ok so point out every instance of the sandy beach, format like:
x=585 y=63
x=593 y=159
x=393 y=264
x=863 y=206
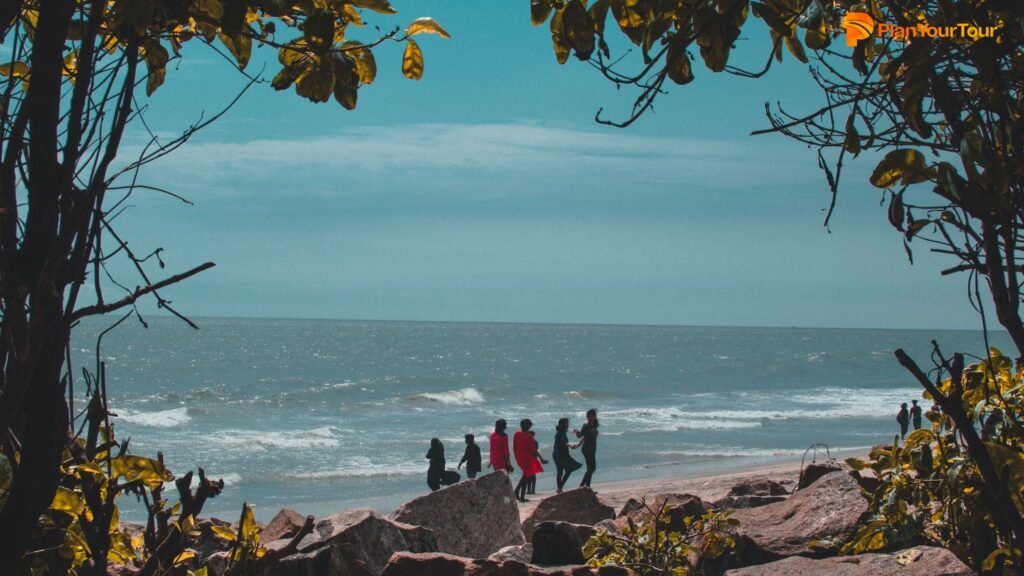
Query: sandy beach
x=708 y=485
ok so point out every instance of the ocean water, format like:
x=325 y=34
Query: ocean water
x=325 y=415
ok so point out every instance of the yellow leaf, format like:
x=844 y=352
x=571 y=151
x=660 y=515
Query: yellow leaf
x=426 y=26
x=412 y=60
x=381 y=6
x=14 y=69
x=184 y=557
x=247 y=527
x=539 y=11
x=558 y=38
x=239 y=46
x=225 y=533
x=151 y=472
x=67 y=501
x=905 y=165
x=366 y=63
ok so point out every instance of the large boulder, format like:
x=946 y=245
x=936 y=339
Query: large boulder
x=407 y=564
x=920 y=561
x=830 y=508
x=747 y=501
x=810 y=474
x=352 y=543
x=680 y=506
x=475 y=518
x=285 y=524
x=560 y=543
x=522 y=553
x=758 y=487
x=579 y=506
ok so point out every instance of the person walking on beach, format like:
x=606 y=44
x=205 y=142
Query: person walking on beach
x=588 y=445
x=500 y=459
x=524 y=447
x=903 y=417
x=565 y=464
x=471 y=457
x=915 y=415
x=531 y=486
x=436 y=470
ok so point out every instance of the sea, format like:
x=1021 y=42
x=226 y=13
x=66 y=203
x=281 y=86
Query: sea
x=325 y=415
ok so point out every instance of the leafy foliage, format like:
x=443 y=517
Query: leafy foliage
x=931 y=490
x=75 y=75
x=652 y=547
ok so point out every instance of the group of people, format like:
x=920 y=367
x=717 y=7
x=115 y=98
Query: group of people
x=526 y=452
x=904 y=417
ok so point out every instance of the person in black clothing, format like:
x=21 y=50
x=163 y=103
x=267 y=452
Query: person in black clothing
x=588 y=445
x=903 y=418
x=471 y=457
x=915 y=415
x=565 y=464
x=436 y=470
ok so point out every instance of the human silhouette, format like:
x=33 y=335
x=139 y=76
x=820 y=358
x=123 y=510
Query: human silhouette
x=588 y=445
x=529 y=461
x=903 y=417
x=435 y=472
x=915 y=415
x=565 y=464
x=531 y=485
x=471 y=457
x=499 y=457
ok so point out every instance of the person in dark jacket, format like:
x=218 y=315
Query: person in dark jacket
x=565 y=464
x=588 y=445
x=903 y=418
x=471 y=457
x=436 y=471
x=915 y=415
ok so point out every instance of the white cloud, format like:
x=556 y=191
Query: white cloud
x=473 y=162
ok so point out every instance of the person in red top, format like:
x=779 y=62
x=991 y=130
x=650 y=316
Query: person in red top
x=499 y=456
x=529 y=460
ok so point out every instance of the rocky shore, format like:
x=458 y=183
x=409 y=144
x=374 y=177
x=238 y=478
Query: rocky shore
x=787 y=517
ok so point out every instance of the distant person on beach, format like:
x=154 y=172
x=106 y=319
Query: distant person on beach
x=436 y=471
x=903 y=417
x=471 y=457
x=915 y=415
x=500 y=459
x=531 y=486
x=565 y=464
x=588 y=445
x=525 y=449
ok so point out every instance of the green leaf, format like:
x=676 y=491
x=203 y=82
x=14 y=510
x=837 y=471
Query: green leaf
x=240 y=47
x=412 y=60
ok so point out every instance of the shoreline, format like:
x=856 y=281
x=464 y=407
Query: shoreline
x=708 y=481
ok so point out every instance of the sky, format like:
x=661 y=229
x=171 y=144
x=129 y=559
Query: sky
x=486 y=192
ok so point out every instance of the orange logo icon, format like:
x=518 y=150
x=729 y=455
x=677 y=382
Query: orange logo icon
x=858 y=26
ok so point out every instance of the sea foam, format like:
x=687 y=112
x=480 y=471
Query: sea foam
x=159 y=419
x=462 y=397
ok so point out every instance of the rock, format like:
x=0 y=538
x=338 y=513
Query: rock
x=608 y=526
x=816 y=470
x=931 y=562
x=680 y=506
x=407 y=564
x=830 y=508
x=761 y=487
x=285 y=524
x=579 y=506
x=217 y=564
x=352 y=543
x=522 y=553
x=474 y=518
x=747 y=501
x=122 y=570
x=560 y=543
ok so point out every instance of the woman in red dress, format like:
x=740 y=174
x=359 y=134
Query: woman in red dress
x=499 y=456
x=525 y=449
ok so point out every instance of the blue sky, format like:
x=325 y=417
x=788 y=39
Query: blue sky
x=485 y=192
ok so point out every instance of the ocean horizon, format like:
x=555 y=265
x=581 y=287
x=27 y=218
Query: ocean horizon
x=323 y=415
